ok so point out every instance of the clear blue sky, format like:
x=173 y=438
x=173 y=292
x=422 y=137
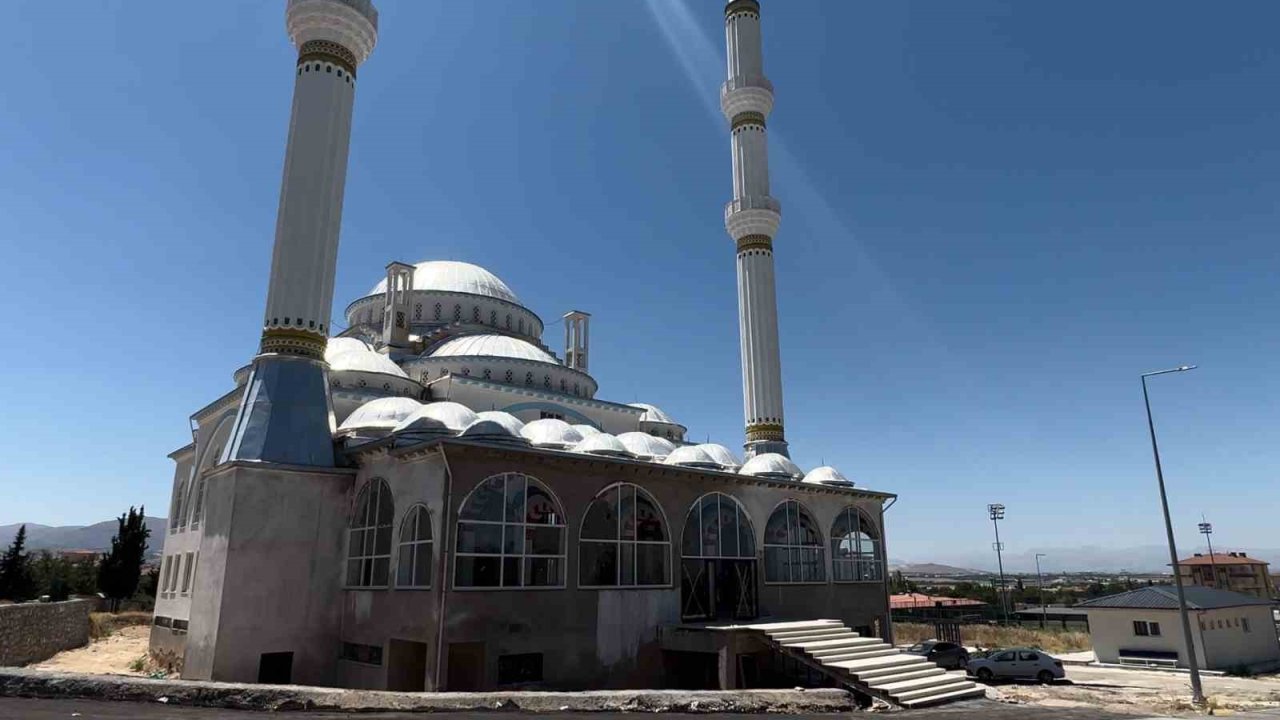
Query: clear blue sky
x=996 y=215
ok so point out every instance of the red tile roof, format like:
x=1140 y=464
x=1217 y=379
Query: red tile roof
x=920 y=600
x=1221 y=559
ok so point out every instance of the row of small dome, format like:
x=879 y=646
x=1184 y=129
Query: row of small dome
x=408 y=418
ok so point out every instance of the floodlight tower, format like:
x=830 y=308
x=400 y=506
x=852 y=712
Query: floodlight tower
x=996 y=512
x=1206 y=529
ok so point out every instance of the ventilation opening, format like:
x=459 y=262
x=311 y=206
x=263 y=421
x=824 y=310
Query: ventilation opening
x=276 y=668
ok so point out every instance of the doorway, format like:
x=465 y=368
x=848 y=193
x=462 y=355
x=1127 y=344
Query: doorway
x=466 y=667
x=406 y=666
x=718 y=589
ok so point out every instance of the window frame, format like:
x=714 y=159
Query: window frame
x=858 y=560
x=502 y=555
x=366 y=494
x=619 y=541
x=788 y=548
x=740 y=514
x=415 y=545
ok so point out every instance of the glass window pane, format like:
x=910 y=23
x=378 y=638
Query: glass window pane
x=404 y=566
x=422 y=565
x=382 y=540
x=477 y=572
x=689 y=539
x=511 y=572
x=651 y=564
x=515 y=498
x=746 y=537
x=386 y=508
x=808 y=531
x=477 y=538
x=381 y=568
x=601 y=522
x=545 y=540
x=627 y=564
x=627 y=513
x=775 y=531
x=409 y=528
x=728 y=526
x=775 y=564
x=709 y=539
x=599 y=564
x=544 y=572
x=793 y=569
x=648 y=519
x=486 y=502
x=513 y=539
x=541 y=508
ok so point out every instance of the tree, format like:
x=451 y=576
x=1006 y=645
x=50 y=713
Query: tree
x=121 y=569
x=16 y=581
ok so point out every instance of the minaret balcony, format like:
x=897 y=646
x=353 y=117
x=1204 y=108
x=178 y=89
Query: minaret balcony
x=752 y=215
x=746 y=93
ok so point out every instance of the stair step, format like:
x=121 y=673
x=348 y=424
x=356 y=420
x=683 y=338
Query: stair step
x=856 y=655
x=896 y=660
x=940 y=689
x=811 y=636
x=836 y=642
x=899 y=676
x=896 y=685
x=951 y=696
x=789 y=634
x=869 y=674
x=794 y=625
x=852 y=646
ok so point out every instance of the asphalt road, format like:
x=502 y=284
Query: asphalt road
x=26 y=709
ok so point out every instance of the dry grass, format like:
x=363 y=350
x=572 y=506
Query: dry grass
x=102 y=625
x=993 y=636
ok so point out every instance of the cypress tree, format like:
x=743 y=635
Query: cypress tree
x=121 y=568
x=16 y=580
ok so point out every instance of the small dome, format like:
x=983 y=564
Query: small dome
x=337 y=345
x=438 y=418
x=586 y=430
x=493 y=430
x=381 y=414
x=646 y=446
x=551 y=433
x=773 y=466
x=827 y=475
x=602 y=444
x=654 y=414
x=722 y=455
x=348 y=356
x=491 y=346
x=452 y=276
x=692 y=456
x=507 y=420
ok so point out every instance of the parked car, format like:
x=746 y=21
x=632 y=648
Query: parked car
x=1017 y=663
x=947 y=655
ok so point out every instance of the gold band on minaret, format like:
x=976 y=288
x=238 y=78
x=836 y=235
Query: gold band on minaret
x=285 y=341
x=765 y=431
x=755 y=242
x=326 y=51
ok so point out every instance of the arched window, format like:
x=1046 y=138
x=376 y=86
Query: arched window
x=855 y=548
x=793 y=546
x=457 y=313
x=528 y=378
x=493 y=318
x=510 y=534
x=718 y=527
x=369 y=539
x=624 y=542
x=475 y=314
x=437 y=311
x=508 y=321
x=413 y=557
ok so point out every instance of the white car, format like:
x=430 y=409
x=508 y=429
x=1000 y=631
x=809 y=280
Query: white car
x=1017 y=663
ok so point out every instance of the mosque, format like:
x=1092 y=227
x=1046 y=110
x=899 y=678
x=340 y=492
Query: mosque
x=437 y=499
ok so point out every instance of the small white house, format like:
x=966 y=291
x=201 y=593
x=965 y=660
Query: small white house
x=1229 y=630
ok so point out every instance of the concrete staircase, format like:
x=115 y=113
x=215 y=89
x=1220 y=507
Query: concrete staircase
x=868 y=665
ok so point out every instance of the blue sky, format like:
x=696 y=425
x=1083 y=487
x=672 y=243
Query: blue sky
x=996 y=215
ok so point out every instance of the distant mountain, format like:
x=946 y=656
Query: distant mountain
x=80 y=537
x=933 y=569
x=1085 y=558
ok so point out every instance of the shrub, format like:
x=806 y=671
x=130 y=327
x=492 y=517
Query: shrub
x=102 y=625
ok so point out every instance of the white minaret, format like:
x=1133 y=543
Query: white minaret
x=752 y=218
x=285 y=415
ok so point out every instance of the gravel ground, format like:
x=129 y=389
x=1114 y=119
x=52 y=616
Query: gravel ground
x=112 y=655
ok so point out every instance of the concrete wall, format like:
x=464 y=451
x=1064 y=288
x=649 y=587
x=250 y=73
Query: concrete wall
x=588 y=638
x=271 y=558
x=1226 y=643
x=1112 y=631
x=37 y=631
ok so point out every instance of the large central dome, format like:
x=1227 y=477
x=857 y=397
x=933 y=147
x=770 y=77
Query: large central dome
x=453 y=276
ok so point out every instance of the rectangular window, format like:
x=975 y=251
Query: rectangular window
x=166 y=568
x=1140 y=628
x=1244 y=624
x=1154 y=629
x=522 y=668
x=366 y=654
x=161 y=621
x=188 y=567
x=173 y=576
x=180 y=625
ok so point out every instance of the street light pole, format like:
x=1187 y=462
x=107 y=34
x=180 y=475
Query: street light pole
x=1044 y=610
x=1197 y=692
x=1206 y=529
x=996 y=512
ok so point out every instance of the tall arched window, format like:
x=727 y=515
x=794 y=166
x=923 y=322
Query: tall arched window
x=510 y=534
x=793 y=546
x=718 y=527
x=369 y=539
x=624 y=541
x=413 y=557
x=855 y=548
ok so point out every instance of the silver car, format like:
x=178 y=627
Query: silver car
x=1017 y=663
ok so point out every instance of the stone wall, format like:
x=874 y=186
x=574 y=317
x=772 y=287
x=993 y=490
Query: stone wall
x=36 y=631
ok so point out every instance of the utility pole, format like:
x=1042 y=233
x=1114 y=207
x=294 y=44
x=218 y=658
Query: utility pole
x=1197 y=691
x=996 y=512
x=1044 y=611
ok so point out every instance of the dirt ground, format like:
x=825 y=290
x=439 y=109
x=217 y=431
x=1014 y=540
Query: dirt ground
x=113 y=655
x=1144 y=692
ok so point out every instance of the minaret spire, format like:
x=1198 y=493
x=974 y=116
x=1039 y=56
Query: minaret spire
x=285 y=415
x=752 y=219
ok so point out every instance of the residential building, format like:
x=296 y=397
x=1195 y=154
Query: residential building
x=1234 y=571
